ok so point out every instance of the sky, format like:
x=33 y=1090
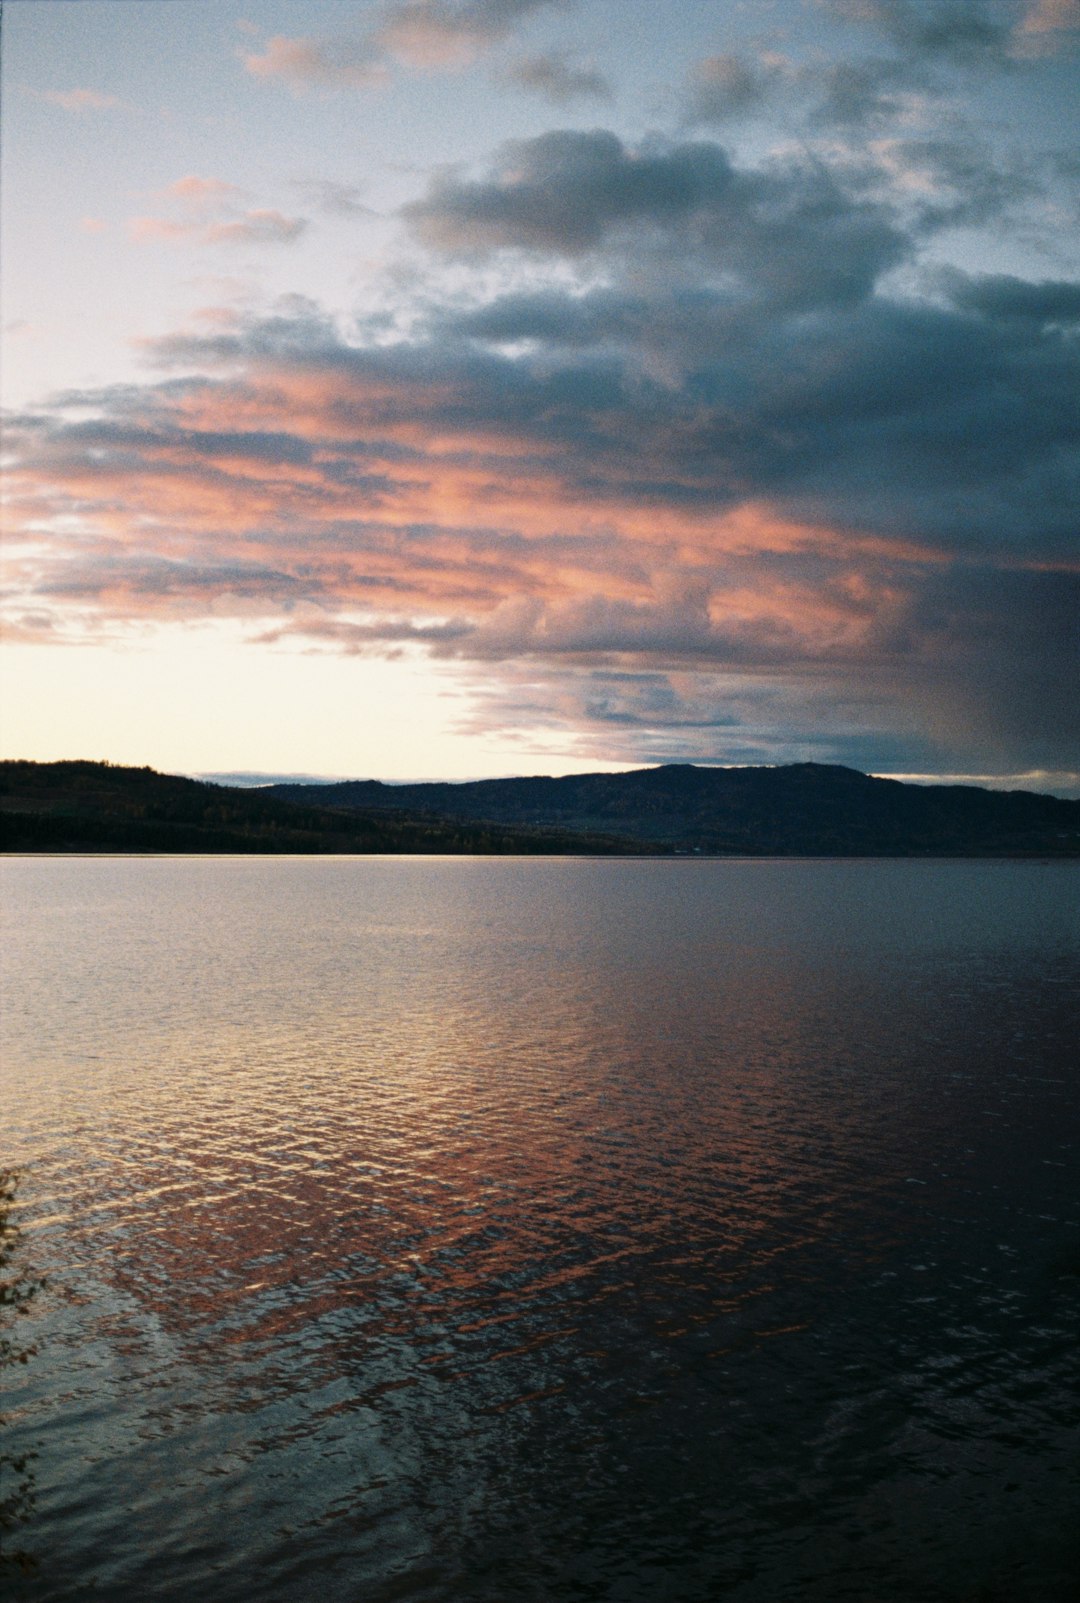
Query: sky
x=452 y=388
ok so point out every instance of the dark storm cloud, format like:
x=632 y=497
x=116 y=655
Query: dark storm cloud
x=956 y=426
x=1003 y=644
x=976 y=664
x=663 y=716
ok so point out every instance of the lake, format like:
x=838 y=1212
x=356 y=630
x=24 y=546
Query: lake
x=503 y=1229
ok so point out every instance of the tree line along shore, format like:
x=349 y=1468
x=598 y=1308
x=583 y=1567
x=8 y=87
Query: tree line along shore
x=804 y=809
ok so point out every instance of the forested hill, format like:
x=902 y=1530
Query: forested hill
x=88 y=806
x=807 y=809
x=810 y=809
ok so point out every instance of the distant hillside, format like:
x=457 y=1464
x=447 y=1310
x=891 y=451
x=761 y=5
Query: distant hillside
x=806 y=809
x=86 y=806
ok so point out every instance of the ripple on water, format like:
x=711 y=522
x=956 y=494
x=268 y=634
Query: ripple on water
x=450 y=1230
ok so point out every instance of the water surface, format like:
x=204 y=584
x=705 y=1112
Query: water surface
x=484 y=1229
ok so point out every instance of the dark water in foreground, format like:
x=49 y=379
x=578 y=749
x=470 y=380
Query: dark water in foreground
x=497 y=1230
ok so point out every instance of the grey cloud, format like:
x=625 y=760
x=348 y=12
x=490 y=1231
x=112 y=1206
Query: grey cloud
x=790 y=232
x=906 y=418
x=144 y=577
x=958 y=31
x=983 y=674
x=359 y=638
x=494 y=18
x=554 y=76
x=564 y=192
x=255 y=227
x=912 y=419
x=968 y=186
x=958 y=427
x=1003 y=296
x=553 y=319
x=659 y=716
x=428 y=32
x=858 y=94
x=260 y=227
x=337 y=200
x=307 y=63
x=934 y=43
x=1001 y=643
x=297 y=325
x=424 y=33
x=720 y=88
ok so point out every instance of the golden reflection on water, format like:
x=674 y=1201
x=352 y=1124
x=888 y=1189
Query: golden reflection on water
x=401 y=1197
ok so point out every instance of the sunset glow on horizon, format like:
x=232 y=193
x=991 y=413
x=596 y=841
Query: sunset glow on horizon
x=443 y=388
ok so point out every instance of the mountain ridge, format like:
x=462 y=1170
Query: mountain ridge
x=83 y=806
x=798 y=808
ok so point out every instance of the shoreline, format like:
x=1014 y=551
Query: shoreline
x=591 y=857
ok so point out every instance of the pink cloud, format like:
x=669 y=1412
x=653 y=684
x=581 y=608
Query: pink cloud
x=1048 y=28
x=80 y=100
x=158 y=228
x=447 y=33
x=420 y=33
x=306 y=63
x=196 y=191
x=260 y=226
x=1051 y=16
x=600 y=550
x=347 y=490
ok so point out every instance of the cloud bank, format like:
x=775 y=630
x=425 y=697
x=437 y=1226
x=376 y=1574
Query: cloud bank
x=696 y=480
